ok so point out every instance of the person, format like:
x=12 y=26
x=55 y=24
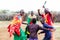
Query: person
x=15 y=27
x=48 y=19
x=47 y=32
x=33 y=29
x=29 y=18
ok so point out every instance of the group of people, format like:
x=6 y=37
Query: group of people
x=32 y=28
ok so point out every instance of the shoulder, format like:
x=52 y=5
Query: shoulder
x=37 y=25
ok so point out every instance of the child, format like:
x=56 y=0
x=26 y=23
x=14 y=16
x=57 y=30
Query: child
x=33 y=29
x=48 y=33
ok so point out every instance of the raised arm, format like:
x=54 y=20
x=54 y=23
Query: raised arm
x=39 y=12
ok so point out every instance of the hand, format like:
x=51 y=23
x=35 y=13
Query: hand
x=52 y=30
x=43 y=6
x=39 y=33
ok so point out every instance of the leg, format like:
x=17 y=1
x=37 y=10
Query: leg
x=52 y=36
x=47 y=36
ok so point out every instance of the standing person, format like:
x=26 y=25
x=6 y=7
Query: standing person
x=47 y=16
x=15 y=27
x=29 y=18
x=47 y=32
x=33 y=29
x=48 y=19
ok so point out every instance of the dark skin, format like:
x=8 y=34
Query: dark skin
x=39 y=12
x=32 y=13
x=22 y=14
x=46 y=12
x=52 y=30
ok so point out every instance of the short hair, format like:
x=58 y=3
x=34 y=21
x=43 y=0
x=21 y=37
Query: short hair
x=34 y=20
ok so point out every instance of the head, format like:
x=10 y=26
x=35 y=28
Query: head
x=34 y=20
x=22 y=12
x=46 y=11
x=32 y=13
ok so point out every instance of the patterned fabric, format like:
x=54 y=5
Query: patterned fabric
x=21 y=37
x=48 y=19
x=33 y=38
x=15 y=26
x=29 y=18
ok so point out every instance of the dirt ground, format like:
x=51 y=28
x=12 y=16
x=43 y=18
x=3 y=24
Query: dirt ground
x=4 y=35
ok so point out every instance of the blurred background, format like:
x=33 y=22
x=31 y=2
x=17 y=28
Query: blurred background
x=9 y=8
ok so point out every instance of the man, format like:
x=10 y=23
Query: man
x=47 y=32
x=33 y=29
x=48 y=19
x=29 y=18
x=47 y=16
x=15 y=27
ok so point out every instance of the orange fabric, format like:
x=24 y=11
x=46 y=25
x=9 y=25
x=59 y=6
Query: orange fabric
x=14 y=26
x=48 y=20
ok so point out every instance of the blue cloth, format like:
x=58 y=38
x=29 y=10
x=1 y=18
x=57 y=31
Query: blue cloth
x=33 y=38
x=45 y=25
x=47 y=32
x=21 y=37
x=47 y=35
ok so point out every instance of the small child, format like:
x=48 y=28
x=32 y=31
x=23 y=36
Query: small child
x=33 y=29
x=47 y=32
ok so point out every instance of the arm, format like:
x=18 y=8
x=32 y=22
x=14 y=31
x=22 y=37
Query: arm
x=41 y=28
x=39 y=12
x=27 y=30
x=47 y=26
x=24 y=23
x=50 y=27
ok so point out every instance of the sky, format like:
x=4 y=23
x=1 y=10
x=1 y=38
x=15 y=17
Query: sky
x=29 y=5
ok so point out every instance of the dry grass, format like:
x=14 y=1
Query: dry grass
x=4 y=35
